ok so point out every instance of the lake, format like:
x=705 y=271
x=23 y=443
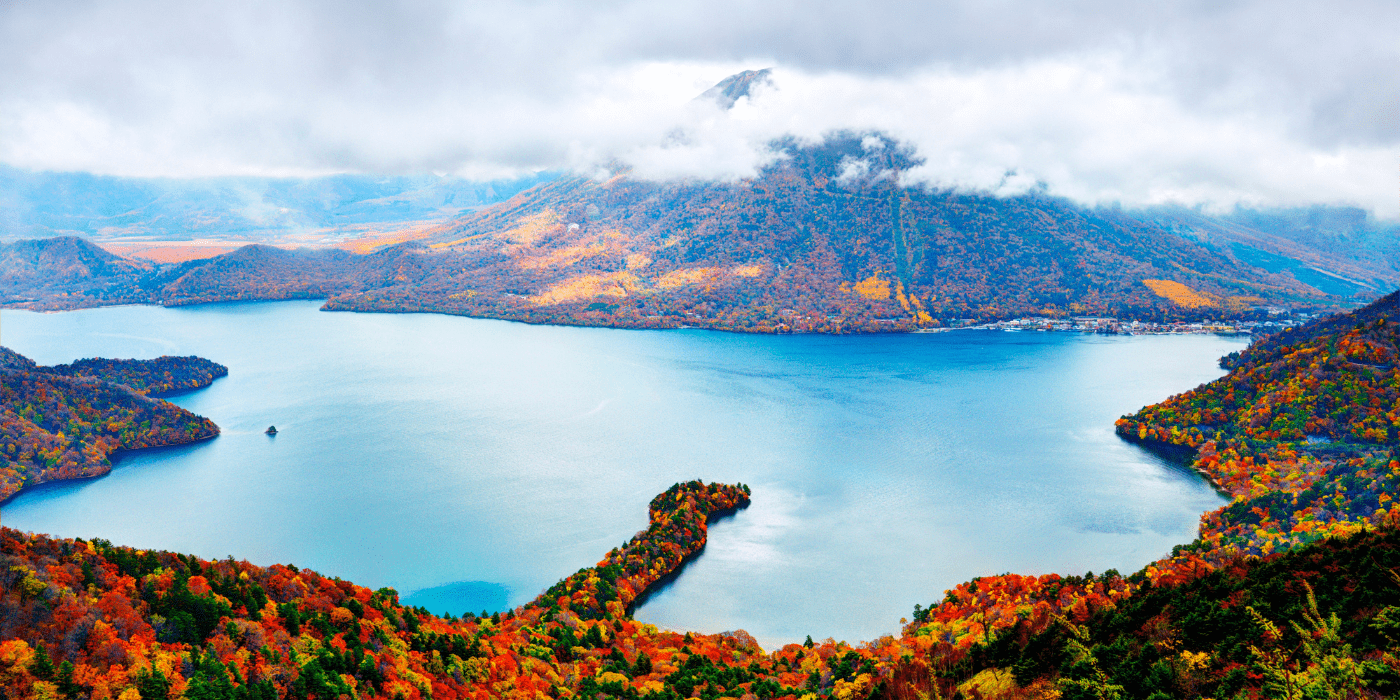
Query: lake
x=471 y=463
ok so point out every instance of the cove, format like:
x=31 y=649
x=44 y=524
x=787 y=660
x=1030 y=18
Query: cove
x=480 y=461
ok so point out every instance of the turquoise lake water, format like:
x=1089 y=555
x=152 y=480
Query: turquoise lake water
x=471 y=463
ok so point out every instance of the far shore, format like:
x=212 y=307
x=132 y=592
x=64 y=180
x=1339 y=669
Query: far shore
x=860 y=326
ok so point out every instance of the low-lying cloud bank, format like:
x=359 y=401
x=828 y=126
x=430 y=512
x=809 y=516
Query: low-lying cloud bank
x=1265 y=104
x=1091 y=128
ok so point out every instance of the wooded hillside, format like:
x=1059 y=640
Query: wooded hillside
x=65 y=422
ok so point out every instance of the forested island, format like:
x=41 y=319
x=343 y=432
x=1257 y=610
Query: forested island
x=1291 y=590
x=66 y=421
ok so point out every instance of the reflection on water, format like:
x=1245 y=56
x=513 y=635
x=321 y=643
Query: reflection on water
x=463 y=596
x=416 y=451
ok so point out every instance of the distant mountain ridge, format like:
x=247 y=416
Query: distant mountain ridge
x=1335 y=249
x=44 y=204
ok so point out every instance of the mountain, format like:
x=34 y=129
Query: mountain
x=68 y=272
x=827 y=239
x=731 y=89
x=824 y=239
x=66 y=267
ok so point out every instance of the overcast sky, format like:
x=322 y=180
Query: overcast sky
x=1212 y=102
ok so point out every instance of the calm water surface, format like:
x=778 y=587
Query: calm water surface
x=477 y=462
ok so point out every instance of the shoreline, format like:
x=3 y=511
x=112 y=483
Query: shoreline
x=113 y=461
x=86 y=388
x=661 y=584
x=1032 y=324
x=1186 y=456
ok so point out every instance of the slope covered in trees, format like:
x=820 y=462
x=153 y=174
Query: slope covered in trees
x=66 y=272
x=93 y=277
x=65 y=422
x=90 y=620
x=679 y=526
x=162 y=375
x=1317 y=622
x=826 y=238
x=1302 y=432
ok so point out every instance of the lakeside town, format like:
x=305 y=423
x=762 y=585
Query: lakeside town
x=1113 y=326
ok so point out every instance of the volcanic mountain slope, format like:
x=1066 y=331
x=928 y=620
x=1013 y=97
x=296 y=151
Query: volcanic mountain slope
x=1338 y=250
x=825 y=239
x=728 y=91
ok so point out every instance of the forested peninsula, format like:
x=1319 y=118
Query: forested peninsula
x=1291 y=590
x=66 y=421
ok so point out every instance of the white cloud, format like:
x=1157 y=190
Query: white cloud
x=1094 y=128
x=1261 y=102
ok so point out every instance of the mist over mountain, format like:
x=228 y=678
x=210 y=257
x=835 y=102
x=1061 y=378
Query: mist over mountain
x=1350 y=232
x=252 y=209
x=845 y=231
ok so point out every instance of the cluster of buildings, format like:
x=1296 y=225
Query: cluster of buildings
x=1113 y=326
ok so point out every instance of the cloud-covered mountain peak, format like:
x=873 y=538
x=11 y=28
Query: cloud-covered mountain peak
x=728 y=91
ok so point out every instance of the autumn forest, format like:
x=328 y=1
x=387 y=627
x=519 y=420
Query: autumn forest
x=65 y=421
x=1291 y=590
